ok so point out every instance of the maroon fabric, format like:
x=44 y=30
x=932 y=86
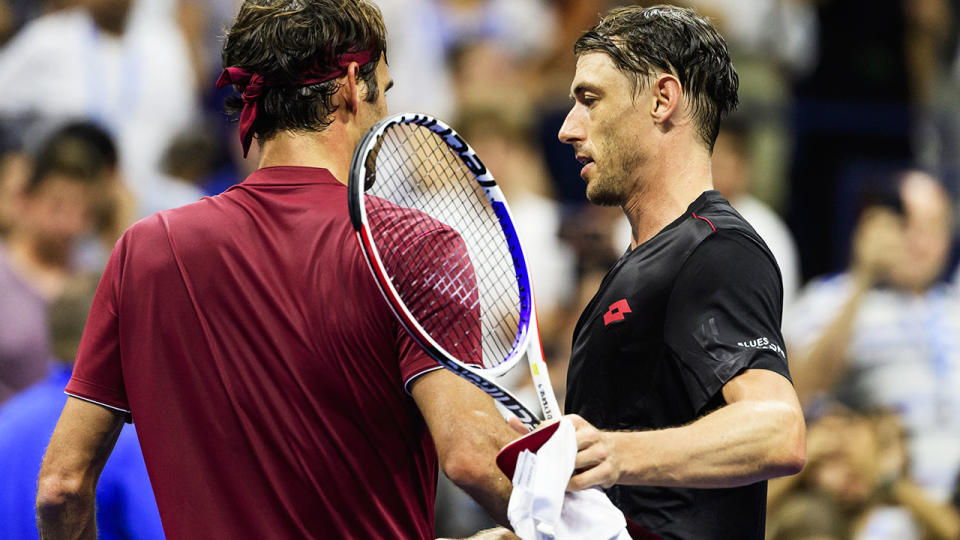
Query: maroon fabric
x=252 y=85
x=437 y=285
x=637 y=532
x=263 y=368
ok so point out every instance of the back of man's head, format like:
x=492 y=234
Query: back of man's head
x=281 y=39
x=644 y=41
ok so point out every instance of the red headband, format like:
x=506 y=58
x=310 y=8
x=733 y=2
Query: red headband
x=252 y=85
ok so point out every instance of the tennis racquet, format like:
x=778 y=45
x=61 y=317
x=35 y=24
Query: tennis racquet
x=438 y=237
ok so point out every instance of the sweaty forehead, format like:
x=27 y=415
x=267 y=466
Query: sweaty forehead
x=596 y=71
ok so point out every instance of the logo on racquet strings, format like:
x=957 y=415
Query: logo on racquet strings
x=456 y=143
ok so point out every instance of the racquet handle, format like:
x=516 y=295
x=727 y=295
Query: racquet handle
x=539 y=373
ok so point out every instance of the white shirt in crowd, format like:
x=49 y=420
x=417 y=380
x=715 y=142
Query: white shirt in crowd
x=140 y=86
x=904 y=355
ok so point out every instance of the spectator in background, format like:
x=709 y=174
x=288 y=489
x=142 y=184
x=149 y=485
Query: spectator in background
x=15 y=13
x=886 y=333
x=484 y=72
x=501 y=138
x=417 y=53
x=114 y=207
x=488 y=42
x=732 y=178
x=521 y=27
x=187 y=163
x=764 y=37
x=91 y=62
x=855 y=485
x=854 y=110
x=15 y=167
x=53 y=211
x=955 y=497
x=125 y=505
x=553 y=102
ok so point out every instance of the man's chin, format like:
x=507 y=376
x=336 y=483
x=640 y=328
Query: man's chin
x=602 y=197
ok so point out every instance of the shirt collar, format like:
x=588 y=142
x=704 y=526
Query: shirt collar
x=290 y=176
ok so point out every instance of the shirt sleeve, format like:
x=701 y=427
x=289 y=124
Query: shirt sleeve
x=438 y=285
x=97 y=373
x=724 y=315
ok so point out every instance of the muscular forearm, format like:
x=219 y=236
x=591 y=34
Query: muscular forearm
x=739 y=444
x=492 y=493
x=467 y=432
x=491 y=534
x=78 y=450
x=469 y=463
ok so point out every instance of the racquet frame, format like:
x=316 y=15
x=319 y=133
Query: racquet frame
x=528 y=335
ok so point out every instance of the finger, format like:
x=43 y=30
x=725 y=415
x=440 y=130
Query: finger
x=600 y=476
x=586 y=437
x=518 y=426
x=590 y=457
x=584 y=480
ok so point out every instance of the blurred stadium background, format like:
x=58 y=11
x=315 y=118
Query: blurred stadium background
x=108 y=112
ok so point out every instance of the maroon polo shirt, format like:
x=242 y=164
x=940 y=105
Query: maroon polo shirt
x=265 y=372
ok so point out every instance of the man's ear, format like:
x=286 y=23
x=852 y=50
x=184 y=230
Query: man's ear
x=667 y=95
x=351 y=88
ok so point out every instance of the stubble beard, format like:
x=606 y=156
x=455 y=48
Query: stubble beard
x=606 y=190
x=611 y=188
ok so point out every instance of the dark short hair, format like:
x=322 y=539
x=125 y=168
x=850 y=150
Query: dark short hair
x=81 y=151
x=675 y=40
x=279 y=39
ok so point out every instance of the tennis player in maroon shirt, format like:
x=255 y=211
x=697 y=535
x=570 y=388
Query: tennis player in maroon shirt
x=274 y=393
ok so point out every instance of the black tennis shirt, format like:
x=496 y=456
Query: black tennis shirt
x=674 y=320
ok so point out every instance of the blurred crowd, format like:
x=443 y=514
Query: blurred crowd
x=844 y=155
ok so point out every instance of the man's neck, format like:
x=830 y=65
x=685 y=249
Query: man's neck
x=672 y=180
x=329 y=149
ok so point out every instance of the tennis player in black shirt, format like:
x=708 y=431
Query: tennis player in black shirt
x=678 y=380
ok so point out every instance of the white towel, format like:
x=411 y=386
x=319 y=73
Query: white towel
x=541 y=508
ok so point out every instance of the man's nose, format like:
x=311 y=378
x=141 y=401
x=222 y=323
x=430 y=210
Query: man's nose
x=572 y=129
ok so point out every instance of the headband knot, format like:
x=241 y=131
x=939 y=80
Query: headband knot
x=252 y=86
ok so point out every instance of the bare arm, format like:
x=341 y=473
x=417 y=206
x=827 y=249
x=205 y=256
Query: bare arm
x=758 y=435
x=78 y=450
x=468 y=431
x=490 y=534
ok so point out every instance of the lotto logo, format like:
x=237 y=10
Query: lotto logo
x=616 y=311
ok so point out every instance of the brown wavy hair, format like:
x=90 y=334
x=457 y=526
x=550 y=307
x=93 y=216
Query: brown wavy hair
x=674 y=40
x=279 y=39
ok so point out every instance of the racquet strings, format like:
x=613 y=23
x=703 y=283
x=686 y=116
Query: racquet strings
x=441 y=245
